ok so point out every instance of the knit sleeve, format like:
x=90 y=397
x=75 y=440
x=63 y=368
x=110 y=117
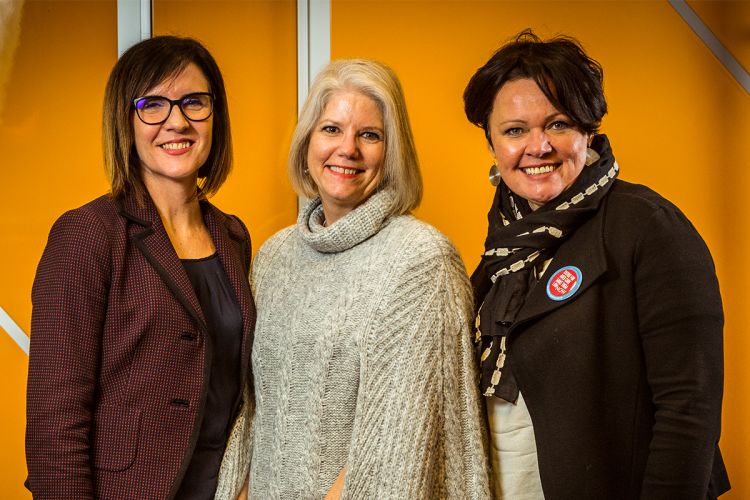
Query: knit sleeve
x=680 y=322
x=69 y=300
x=265 y=256
x=235 y=465
x=418 y=430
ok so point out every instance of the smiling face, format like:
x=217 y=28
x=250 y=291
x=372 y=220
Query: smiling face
x=173 y=151
x=346 y=151
x=538 y=150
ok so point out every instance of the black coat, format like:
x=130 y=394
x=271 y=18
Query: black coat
x=623 y=378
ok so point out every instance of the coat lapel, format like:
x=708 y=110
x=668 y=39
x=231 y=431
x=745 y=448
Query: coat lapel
x=234 y=253
x=584 y=250
x=147 y=233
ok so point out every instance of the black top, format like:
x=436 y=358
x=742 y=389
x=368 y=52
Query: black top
x=224 y=321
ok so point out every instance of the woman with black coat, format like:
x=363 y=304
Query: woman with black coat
x=599 y=315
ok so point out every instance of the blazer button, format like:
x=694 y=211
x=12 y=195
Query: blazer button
x=188 y=336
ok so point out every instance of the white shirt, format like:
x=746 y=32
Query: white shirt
x=515 y=468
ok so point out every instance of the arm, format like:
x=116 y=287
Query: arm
x=417 y=430
x=235 y=465
x=69 y=300
x=243 y=491
x=247 y=245
x=337 y=487
x=681 y=321
x=233 y=482
x=466 y=429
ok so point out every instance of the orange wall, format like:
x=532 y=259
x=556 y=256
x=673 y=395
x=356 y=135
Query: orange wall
x=51 y=161
x=678 y=123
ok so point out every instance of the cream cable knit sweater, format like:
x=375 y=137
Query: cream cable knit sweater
x=362 y=359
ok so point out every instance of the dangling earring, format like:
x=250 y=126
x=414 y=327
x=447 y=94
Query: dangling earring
x=494 y=175
x=591 y=156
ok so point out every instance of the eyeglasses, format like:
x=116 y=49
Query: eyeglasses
x=155 y=109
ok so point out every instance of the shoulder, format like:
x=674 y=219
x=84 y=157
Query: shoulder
x=232 y=222
x=424 y=283
x=232 y=226
x=270 y=248
x=637 y=200
x=636 y=215
x=80 y=239
x=417 y=240
x=103 y=209
x=417 y=252
x=280 y=238
x=636 y=208
x=90 y=222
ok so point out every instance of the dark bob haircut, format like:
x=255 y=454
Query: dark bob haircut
x=142 y=67
x=571 y=80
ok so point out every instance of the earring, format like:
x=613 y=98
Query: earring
x=591 y=156
x=306 y=171
x=494 y=175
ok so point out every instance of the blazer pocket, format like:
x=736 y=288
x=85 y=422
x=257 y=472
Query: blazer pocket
x=116 y=432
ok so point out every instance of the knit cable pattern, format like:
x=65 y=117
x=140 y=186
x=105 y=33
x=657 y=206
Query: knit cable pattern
x=363 y=359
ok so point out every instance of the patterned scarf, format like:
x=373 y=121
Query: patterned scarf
x=518 y=239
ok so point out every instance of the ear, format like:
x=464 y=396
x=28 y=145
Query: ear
x=489 y=142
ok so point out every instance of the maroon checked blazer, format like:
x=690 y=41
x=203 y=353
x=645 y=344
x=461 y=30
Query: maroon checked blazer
x=118 y=364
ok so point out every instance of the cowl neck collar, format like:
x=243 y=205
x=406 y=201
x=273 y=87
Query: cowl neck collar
x=349 y=231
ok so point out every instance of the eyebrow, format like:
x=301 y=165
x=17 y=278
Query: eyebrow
x=331 y=121
x=546 y=118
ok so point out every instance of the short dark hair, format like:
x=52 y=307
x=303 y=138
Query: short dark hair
x=141 y=67
x=570 y=79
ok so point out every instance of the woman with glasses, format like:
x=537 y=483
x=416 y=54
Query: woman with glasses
x=142 y=314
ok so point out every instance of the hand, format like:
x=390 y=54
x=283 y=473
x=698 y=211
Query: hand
x=243 y=491
x=337 y=487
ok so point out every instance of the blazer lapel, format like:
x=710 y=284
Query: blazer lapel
x=148 y=234
x=234 y=253
x=583 y=257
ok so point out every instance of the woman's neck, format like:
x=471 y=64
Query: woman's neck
x=180 y=214
x=175 y=201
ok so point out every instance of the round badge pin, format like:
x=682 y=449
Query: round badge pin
x=564 y=282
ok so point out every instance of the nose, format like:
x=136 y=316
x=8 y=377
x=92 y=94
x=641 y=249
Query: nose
x=176 y=119
x=348 y=147
x=539 y=144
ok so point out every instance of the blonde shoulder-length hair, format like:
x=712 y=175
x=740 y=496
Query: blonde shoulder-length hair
x=379 y=82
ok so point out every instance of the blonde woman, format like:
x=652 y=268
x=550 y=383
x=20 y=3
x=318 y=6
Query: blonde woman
x=363 y=367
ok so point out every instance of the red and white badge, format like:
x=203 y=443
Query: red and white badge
x=564 y=282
